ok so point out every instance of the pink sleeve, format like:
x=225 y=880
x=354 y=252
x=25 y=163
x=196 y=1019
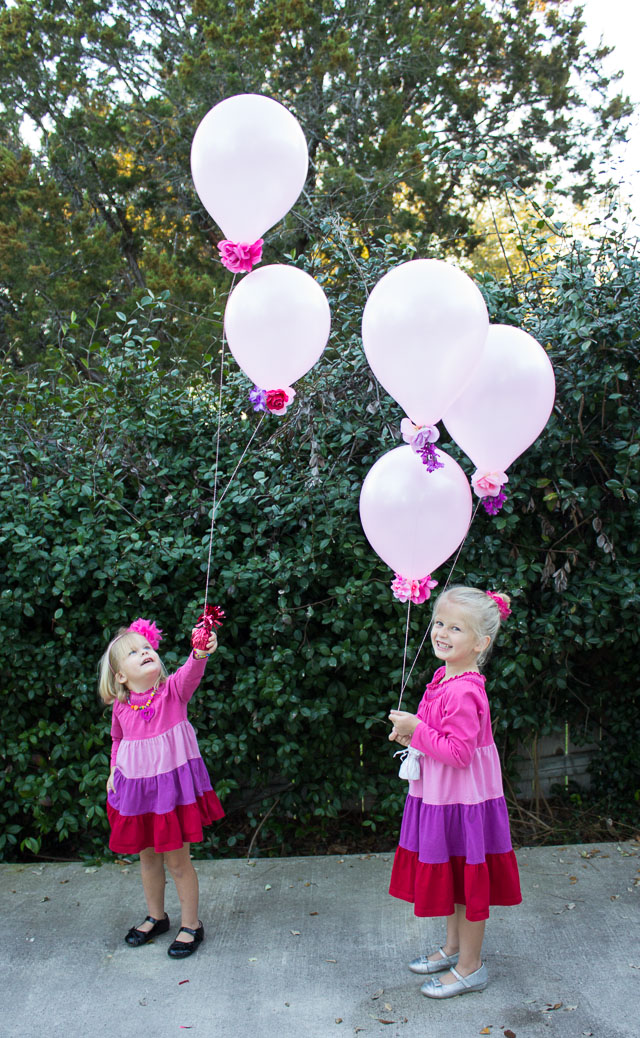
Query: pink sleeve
x=455 y=740
x=116 y=736
x=187 y=678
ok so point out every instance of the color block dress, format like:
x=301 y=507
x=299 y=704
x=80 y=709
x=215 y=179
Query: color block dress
x=162 y=794
x=455 y=843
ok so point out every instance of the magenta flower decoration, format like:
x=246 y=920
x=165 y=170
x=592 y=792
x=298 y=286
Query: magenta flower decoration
x=240 y=257
x=418 y=591
x=278 y=400
x=148 y=630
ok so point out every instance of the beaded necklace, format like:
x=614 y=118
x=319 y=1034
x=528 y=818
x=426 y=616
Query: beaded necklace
x=141 y=706
x=146 y=710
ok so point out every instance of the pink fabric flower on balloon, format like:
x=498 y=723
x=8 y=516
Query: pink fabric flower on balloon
x=417 y=590
x=240 y=257
x=148 y=630
x=488 y=484
x=278 y=400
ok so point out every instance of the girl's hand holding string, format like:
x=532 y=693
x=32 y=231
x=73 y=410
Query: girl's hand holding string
x=404 y=740
x=404 y=725
x=212 y=645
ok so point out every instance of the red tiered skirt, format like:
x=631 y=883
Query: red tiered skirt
x=437 y=889
x=131 y=834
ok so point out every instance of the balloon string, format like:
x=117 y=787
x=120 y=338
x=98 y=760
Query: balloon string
x=446 y=585
x=222 y=497
x=242 y=457
x=406 y=642
x=217 y=455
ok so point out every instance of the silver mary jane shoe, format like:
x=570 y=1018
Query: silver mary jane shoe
x=474 y=982
x=424 y=965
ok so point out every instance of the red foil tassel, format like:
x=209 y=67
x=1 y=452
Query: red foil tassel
x=207 y=621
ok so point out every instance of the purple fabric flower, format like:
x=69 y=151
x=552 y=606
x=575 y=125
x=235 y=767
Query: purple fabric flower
x=429 y=457
x=492 y=505
x=258 y=398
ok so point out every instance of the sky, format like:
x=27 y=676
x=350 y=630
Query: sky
x=617 y=22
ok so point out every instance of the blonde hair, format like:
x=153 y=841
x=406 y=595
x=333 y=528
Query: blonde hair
x=108 y=688
x=482 y=611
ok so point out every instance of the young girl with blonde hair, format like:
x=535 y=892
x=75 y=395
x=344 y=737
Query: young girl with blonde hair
x=159 y=794
x=455 y=857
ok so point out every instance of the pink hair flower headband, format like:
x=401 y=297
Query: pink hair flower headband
x=148 y=630
x=503 y=608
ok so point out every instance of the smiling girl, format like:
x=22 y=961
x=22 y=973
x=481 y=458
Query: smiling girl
x=159 y=794
x=454 y=856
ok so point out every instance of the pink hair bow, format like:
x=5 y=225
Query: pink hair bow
x=501 y=604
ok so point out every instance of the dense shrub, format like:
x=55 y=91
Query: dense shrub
x=107 y=482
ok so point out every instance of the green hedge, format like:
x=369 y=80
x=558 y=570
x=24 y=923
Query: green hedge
x=107 y=476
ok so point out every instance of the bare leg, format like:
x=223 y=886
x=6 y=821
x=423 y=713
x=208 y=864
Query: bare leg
x=185 y=878
x=153 y=884
x=452 y=944
x=471 y=936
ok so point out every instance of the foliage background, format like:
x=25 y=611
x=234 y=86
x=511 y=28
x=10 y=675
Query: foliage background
x=110 y=329
x=106 y=494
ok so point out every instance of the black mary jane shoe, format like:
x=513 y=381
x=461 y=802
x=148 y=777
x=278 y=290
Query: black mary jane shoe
x=137 y=937
x=182 y=949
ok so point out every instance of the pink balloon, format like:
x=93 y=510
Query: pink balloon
x=277 y=322
x=249 y=163
x=507 y=403
x=414 y=519
x=423 y=331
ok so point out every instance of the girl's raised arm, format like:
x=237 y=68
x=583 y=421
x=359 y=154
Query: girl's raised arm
x=186 y=680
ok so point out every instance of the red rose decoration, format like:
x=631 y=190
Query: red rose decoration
x=278 y=400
